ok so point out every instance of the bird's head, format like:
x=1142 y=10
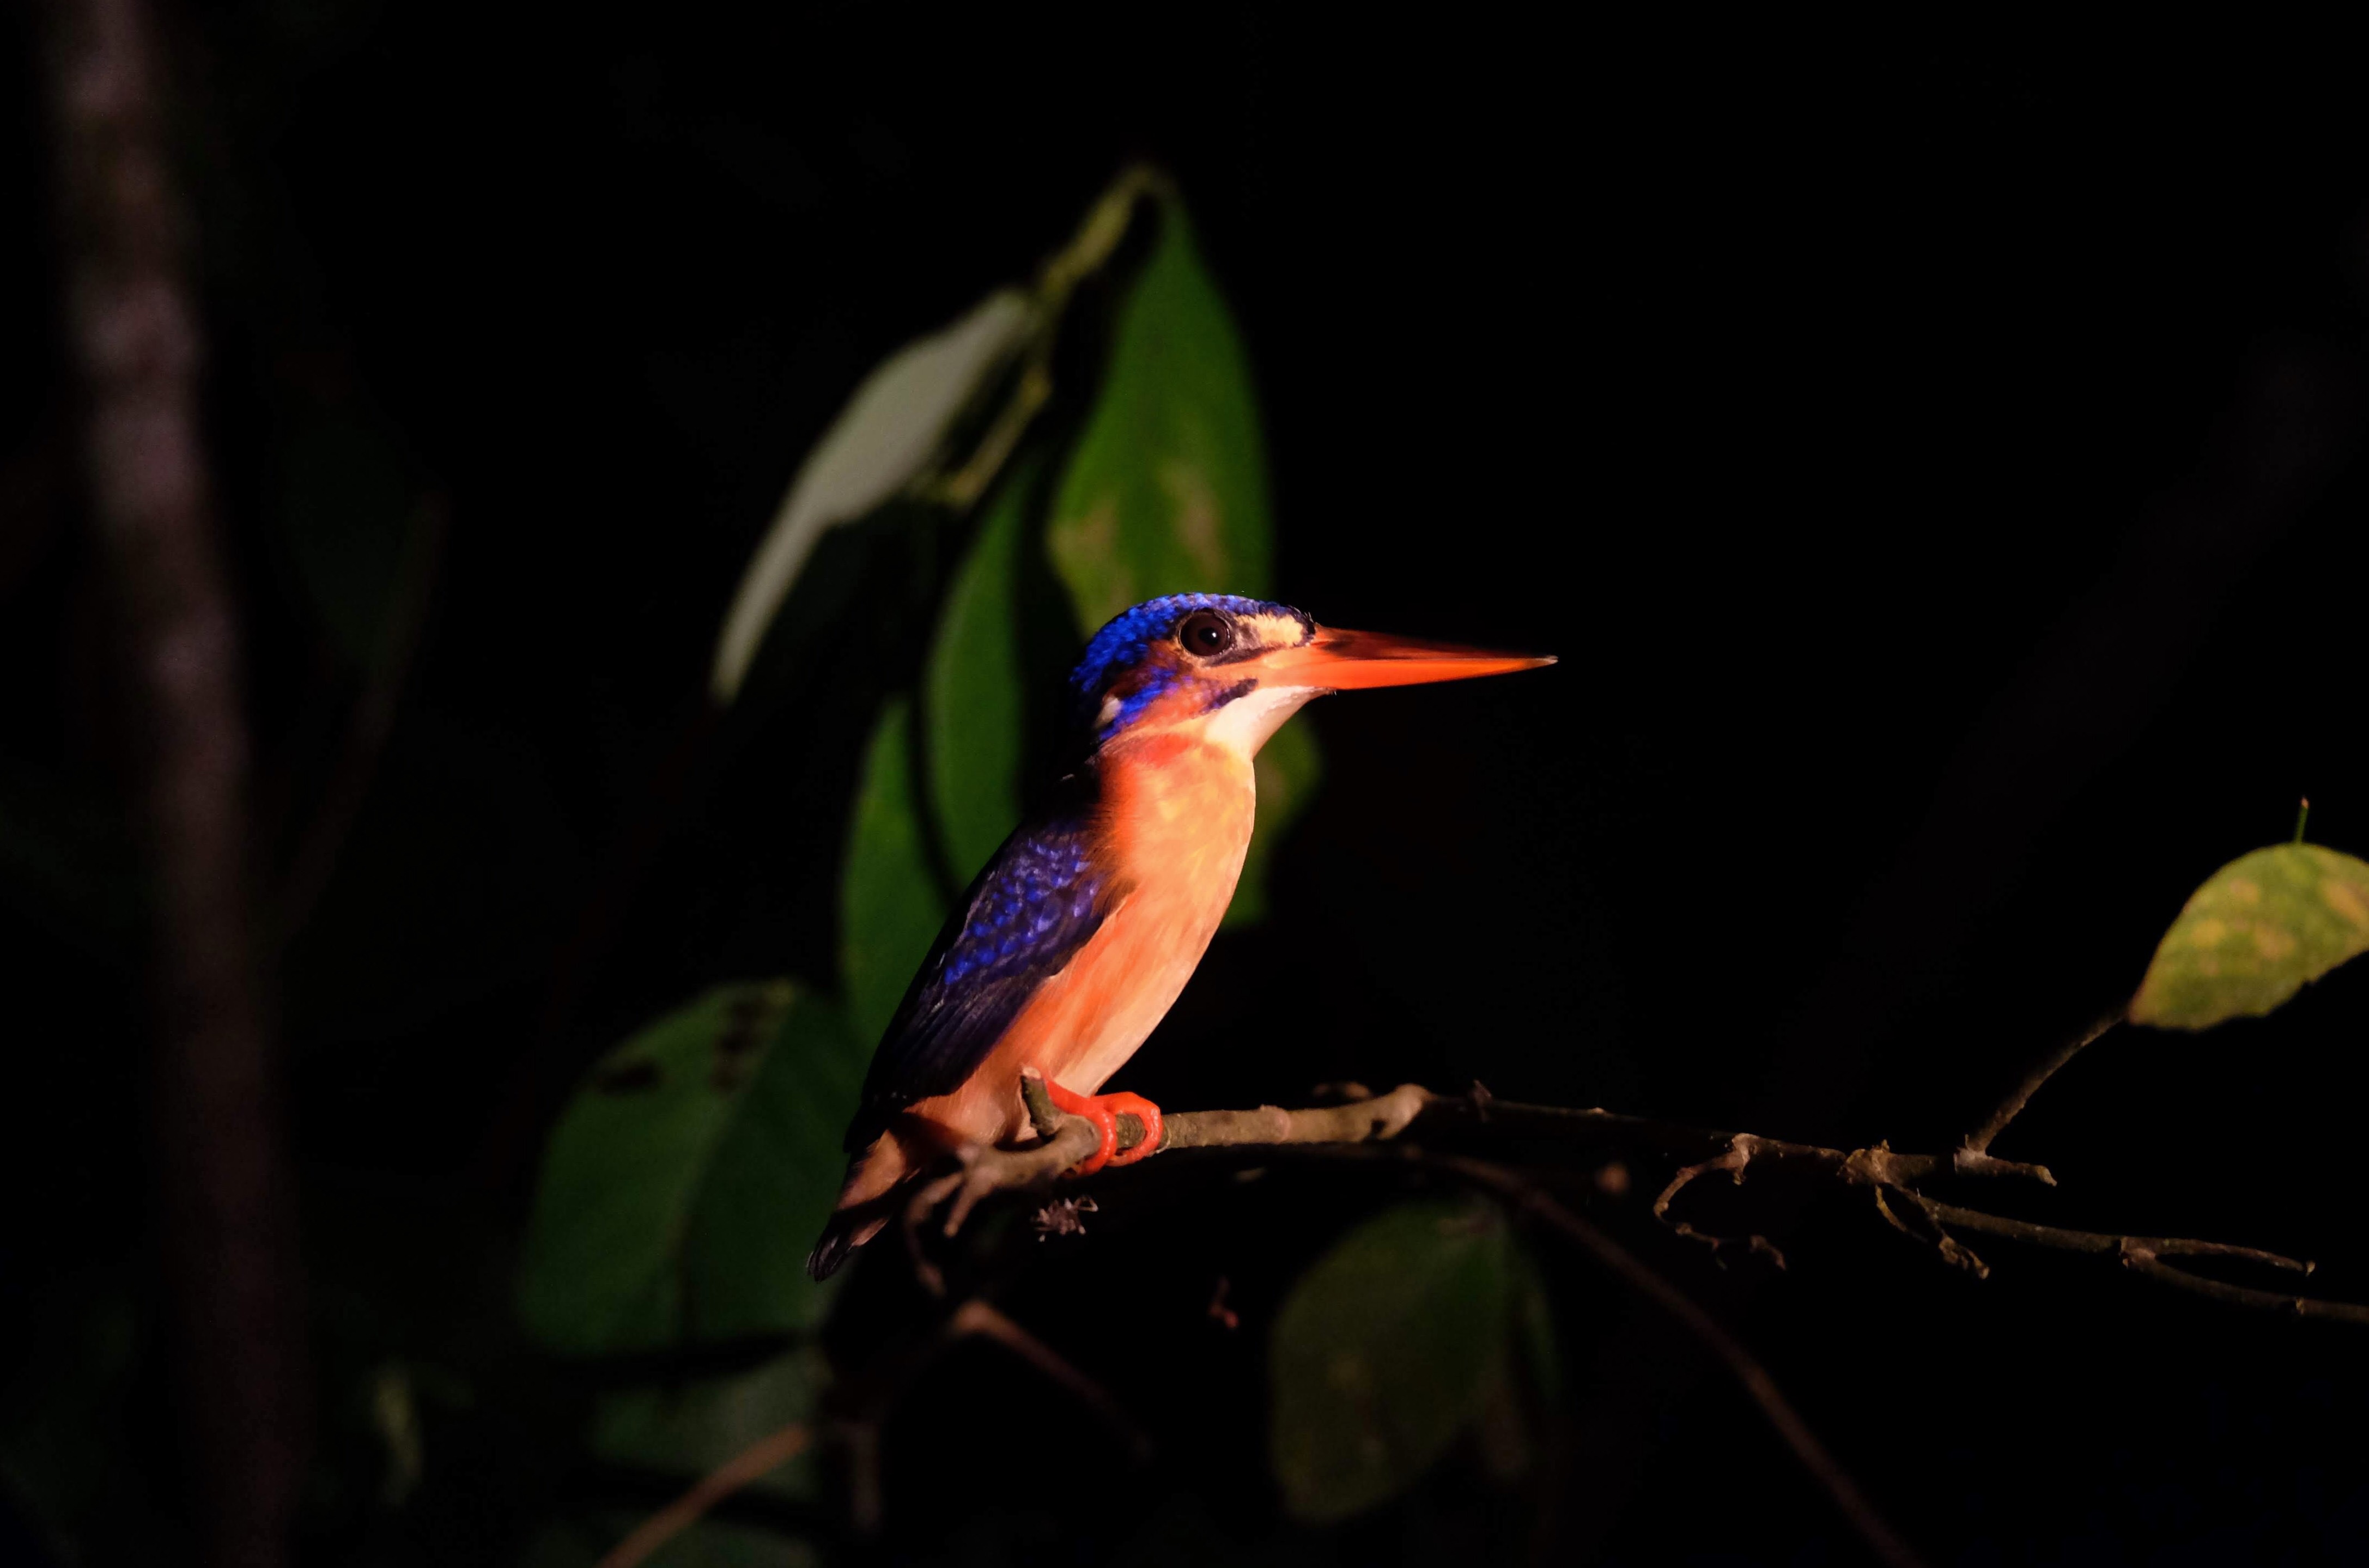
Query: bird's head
x=1234 y=668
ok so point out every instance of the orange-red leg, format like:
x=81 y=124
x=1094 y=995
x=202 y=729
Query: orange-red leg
x=1102 y=1110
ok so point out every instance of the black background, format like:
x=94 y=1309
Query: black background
x=1936 y=462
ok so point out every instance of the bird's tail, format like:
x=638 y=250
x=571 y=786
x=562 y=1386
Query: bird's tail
x=875 y=1182
x=842 y=1234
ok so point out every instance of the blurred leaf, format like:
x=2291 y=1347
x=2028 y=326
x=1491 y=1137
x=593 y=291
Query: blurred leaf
x=1166 y=492
x=891 y=903
x=890 y=428
x=395 y=1415
x=774 y=1179
x=2261 y=928
x=706 y=1543
x=1534 y=1322
x=973 y=689
x=65 y=860
x=1288 y=769
x=691 y=1429
x=69 y=1453
x=351 y=503
x=1383 y=1350
x=682 y=1180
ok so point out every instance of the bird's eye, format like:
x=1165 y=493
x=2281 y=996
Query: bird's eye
x=1206 y=632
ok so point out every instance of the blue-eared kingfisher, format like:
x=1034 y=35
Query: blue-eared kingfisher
x=1074 y=942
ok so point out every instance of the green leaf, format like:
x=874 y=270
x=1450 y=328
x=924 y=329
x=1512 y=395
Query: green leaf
x=773 y=1180
x=691 y=1429
x=1288 y=769
x=2260 y=929
x=890 y=904
x=1167 y=491
x=973 y=688
x=881 y=440
x=1383 y=1352
x=683 y=1180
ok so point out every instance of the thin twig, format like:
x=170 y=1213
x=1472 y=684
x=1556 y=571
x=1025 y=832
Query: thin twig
x=982 y=1318
x=1973 y=1157
x=775 y=1448
x=1411 y=1108
x=1737 y=1155
x=368 y=725
x=1755 y=1379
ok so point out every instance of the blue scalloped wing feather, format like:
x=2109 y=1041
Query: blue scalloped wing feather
x=1041 y=898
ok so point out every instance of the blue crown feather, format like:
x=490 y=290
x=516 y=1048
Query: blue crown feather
x=1131 y=634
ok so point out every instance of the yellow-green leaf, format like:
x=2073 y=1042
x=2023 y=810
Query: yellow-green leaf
x=2260 y=929
x=1167 y=491
x=972 y=691
x=1385 y=1350
x=890 y=904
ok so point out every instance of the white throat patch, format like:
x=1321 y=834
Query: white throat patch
x=1243 y=725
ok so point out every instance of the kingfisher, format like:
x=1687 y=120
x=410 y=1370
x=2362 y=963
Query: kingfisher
x=1072 y=943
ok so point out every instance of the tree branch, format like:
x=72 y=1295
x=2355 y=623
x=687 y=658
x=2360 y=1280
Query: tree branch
x=775 y=1448
x=1757 y=1385
x=1894 y=1179
x=1065 y=1140
x=228 y=1219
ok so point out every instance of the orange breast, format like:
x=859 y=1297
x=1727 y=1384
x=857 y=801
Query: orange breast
x=1178 y=817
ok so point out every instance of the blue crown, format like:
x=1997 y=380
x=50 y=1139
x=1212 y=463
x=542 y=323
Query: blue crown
x=1131 y=634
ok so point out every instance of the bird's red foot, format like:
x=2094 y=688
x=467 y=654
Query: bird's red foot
x=1102 y=1110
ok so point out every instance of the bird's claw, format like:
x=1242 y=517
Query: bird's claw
x=1104 y=1110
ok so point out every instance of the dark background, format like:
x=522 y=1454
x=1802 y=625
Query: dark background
x=1936 y=464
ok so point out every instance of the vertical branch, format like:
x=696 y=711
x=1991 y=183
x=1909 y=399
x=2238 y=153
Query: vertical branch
x=134 y=341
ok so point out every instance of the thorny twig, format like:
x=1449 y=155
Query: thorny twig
x=1894 y=1180
x=1748 y=1372
x=975 y=1319
x=1973 y=1157
x=773 y=1449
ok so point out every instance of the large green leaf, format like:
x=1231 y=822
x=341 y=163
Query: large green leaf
x=685 y=1179
x=691 y=1429
x=972 y=691
x=1384 y=1350
x=1166 y=490
x=2260 y=929
x=892 y=426
x=890 y=905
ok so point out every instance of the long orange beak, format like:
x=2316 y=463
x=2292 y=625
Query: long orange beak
x=1353 y=661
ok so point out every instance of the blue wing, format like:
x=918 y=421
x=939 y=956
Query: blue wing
x=1041 y=898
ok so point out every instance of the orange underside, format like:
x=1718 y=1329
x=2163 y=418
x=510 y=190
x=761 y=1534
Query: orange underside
x=1179 y=819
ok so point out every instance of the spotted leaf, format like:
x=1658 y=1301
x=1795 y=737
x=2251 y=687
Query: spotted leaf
x=2260 y=929
x=1385 y=1350
x=681 y=1180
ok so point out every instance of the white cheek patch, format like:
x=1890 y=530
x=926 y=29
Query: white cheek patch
x=1243 y=725
x=1109 y=715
